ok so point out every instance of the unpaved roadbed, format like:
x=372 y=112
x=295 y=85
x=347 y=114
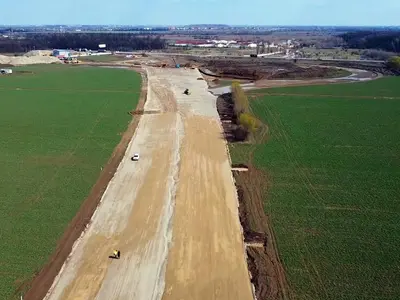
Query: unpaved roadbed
x=184 y=247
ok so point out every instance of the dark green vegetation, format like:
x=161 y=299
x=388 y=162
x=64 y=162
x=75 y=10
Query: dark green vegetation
x=333 y=194
x=382 y=40
x=115 y=41
x=59 y=125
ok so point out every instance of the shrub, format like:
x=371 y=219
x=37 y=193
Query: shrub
x=249 y=122
x=394 y=63
x=241 y=103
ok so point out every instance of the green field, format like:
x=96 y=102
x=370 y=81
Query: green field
x=334 y=192
x=59 y=125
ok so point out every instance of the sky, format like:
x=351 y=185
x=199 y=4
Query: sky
x=181 y=12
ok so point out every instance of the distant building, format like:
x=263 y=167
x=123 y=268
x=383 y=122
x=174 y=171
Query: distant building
x=61 y=53
x=6 y=71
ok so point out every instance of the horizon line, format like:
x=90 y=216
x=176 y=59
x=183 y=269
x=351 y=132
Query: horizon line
x=205 y=24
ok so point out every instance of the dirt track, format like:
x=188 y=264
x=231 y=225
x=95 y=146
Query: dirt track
x=182 y=153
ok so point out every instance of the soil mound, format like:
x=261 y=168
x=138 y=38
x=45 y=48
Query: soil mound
x=28 y=60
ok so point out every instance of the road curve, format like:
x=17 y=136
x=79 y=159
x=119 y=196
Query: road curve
x=173 y=214
x=356 y=75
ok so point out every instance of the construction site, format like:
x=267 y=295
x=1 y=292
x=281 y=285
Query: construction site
x=178 y=230
x=177 y=216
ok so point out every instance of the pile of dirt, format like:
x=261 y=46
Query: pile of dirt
x=28 y=60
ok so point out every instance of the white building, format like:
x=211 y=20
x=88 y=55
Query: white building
x=61 y=53
x=6 y=71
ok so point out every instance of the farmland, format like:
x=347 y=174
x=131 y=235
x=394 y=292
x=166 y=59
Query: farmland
x=59 y=126
x=332 y=190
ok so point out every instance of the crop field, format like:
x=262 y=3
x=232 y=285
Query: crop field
x=59 y=125
x=332 y=161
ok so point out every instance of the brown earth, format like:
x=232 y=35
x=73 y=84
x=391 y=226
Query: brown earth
x=42 y=282
x=257 y=69
x=268 y=275
x=267 y=272
x=236 y=68
x=206 y=259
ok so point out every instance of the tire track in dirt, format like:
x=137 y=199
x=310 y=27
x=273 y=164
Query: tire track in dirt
x=140 y=198
x=138 y=241
x=206 y=258
x=138 y=214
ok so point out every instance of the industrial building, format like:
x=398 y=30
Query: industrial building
x=61 y=53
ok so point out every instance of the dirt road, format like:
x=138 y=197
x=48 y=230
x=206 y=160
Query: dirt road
x=173 y=214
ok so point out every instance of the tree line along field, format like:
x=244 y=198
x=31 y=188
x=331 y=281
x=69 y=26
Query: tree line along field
x=333 y=193
x=59 y=126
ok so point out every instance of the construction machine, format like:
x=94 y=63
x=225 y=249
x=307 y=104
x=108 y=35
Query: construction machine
x=71 y=60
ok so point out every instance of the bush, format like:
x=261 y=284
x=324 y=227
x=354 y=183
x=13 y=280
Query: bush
x=394 y=63
x=249 y=122
x=240 y=100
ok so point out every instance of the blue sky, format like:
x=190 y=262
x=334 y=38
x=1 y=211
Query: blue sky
x=177 y=12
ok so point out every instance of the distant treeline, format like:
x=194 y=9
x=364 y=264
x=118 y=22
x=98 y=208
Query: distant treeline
x=114 y=42
x=381 y=40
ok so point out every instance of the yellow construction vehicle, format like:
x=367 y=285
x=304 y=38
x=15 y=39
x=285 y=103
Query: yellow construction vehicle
x=71 y=60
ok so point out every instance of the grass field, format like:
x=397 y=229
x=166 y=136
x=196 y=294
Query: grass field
x=59 y=126
x=333 y=194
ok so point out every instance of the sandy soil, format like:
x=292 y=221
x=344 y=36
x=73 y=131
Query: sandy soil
x=206 y=260
x=184 y=247
x=28 y=59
